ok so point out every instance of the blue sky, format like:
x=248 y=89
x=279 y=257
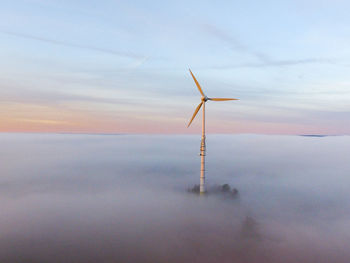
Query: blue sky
x=122 y=66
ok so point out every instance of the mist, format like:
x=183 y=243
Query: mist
x=123 y=198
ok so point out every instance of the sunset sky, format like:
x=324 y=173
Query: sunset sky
x=122 y=66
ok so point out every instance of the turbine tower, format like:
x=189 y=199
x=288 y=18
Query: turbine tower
x=204 y=99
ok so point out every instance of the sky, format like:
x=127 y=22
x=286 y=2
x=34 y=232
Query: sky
x=122 y=66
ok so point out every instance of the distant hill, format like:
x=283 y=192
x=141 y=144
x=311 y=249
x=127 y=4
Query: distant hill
x=314 y=135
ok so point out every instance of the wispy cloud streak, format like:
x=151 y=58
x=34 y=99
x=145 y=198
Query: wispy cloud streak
x=264 y=60
x=63 y=43
x=279 y=63
x=233 y=42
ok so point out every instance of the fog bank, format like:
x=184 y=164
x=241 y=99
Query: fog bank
x=123 y=198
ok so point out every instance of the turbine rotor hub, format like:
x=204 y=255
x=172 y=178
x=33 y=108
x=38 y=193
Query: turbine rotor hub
x=205 y=98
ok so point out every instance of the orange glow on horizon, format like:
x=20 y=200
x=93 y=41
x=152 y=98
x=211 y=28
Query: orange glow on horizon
x=31 y=118
x=92 y=124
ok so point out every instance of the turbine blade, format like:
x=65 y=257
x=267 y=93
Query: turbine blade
x=195 y=113
x=198 y=86
x=221 y=99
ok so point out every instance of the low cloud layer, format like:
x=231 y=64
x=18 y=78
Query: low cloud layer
x=81 y=198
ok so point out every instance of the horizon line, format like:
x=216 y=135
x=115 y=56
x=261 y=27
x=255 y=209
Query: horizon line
x=170 y=134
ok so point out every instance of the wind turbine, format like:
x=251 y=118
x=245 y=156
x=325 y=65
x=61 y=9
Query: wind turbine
x=204 y=99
